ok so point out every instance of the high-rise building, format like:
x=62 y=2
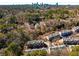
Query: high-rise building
x=57 y=4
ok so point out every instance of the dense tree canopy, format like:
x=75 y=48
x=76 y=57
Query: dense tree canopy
x=20 y=24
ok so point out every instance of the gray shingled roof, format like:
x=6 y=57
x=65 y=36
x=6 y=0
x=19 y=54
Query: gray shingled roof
x=53 y=36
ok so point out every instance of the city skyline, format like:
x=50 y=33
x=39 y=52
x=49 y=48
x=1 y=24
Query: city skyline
x=60 y=2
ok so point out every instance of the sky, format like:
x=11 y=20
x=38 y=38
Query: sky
x=63 y=2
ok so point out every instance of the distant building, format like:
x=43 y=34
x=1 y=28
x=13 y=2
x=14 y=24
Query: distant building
x=57 y=4
x=35 y=44
x=54 y=36
x=71 y=41
x=76 y=29
x=66 y=33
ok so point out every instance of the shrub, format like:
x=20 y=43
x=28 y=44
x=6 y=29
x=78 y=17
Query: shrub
x=13 y=49
x=75 y=51
x=37 y=53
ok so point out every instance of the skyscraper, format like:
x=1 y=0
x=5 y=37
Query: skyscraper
x=57 y=4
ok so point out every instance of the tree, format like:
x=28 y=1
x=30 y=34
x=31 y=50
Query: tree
x=2 y=40
x=33 y=18
x=13 y=20
x=37 y=28
x=75 y=51
x=1 y=15
x=13 y=50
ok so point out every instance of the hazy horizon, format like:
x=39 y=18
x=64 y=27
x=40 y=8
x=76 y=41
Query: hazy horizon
x=60 y=2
